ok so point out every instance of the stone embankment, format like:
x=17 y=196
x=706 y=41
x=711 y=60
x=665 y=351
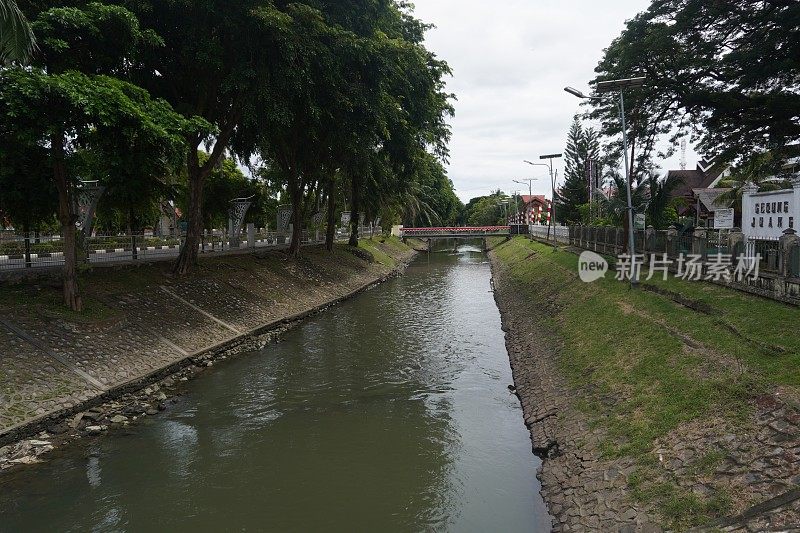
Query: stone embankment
x=65 y=376
x=718 y=472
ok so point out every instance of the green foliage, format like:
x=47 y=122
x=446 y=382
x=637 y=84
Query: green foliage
x=661 y=212
x=734 y=91
x=485 y=210
x=582 y=147
x=95 y=39
x=17 y=41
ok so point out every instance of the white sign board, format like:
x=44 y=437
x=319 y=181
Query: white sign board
x=638 y=221
x=766 y=215
x=723 y=218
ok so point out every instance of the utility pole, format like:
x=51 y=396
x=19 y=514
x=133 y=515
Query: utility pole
x=553 y=177
x=618 y=86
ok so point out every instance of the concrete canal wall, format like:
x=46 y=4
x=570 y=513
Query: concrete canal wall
x=144 y=331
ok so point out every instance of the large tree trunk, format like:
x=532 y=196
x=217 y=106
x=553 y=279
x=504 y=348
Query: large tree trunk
x=187 y=259
x=330 y=229
x=355 y=206
x=66 y=217
x=296 y=196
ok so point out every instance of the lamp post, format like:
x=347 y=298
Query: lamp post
x=550 y=158
x=609 y=87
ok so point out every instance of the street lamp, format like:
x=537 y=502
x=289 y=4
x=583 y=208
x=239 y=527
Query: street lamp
x=549 y=158
x=609 y=87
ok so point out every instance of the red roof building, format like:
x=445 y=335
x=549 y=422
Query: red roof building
x=537 y=209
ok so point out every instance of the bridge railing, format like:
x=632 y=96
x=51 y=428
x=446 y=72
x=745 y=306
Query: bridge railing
x=460 y=230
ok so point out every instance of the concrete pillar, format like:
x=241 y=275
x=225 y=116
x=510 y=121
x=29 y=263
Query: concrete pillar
x=748 y=190
x=251 y=235
x=735 y=240
x=699 y=242
x=788 y=240
x=650 y=240
x=672 y=242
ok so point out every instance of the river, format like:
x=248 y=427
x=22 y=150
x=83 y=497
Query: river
x=390 y=412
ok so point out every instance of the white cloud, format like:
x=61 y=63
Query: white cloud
x=511 y=61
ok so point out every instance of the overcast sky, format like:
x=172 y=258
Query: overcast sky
x=511 y=60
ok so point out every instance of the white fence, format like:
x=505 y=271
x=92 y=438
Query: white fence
x=561 y=233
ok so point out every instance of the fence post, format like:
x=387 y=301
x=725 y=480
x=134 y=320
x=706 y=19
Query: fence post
x=649 y=240
x=735 y=239
x=672 y=242
x=699 y=244
x=788 y=240
x=251 y=235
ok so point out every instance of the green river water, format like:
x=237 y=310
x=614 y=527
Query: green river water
x=390 y=412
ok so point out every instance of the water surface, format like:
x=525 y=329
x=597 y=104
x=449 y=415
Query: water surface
x=388 y=413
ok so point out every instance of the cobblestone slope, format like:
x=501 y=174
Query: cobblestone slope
x=51 y=361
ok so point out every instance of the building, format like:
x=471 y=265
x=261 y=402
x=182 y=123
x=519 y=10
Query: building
x=699 y=191
x=536 y=209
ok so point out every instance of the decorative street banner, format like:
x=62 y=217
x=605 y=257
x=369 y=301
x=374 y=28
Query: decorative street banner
x=723 y=218
x=236 y=213
x=88 y=194
x=638 y=221
x=284 y=218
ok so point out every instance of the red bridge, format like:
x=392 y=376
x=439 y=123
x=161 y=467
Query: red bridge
x=455 y=232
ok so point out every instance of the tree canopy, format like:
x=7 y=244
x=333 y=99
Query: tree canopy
x=723 y=72
x=331 y=105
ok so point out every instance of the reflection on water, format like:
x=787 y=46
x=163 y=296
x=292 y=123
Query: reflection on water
x=389 y=412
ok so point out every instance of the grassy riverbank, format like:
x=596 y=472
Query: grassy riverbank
x=665 y=368
x=141 y=319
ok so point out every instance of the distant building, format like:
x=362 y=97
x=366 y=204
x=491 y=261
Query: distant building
x=536 y=209
x=699 y=190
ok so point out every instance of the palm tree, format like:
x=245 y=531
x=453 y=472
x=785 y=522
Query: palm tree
x=660 y=199
x=17 y=42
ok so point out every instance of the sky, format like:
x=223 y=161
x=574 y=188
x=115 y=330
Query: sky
x=511 y=60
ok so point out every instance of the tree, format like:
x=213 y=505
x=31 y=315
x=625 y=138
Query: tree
x=17 y=41
x=356 y=109
x=726 y=72
x=486 y=210
x=225 y=183
x=582 y=147
x=216 y=62
x=661 y=212
x=73 y=113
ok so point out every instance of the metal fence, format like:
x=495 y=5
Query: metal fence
x=19 y=251
x=710 y=243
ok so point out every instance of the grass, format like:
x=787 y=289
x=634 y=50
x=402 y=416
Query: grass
x=639 y=379
x=45 y=298
x=384 y=249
